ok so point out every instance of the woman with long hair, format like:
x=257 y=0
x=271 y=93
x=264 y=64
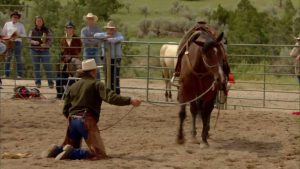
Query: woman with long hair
x=40 y=41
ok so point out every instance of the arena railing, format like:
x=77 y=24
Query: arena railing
x=255 y=85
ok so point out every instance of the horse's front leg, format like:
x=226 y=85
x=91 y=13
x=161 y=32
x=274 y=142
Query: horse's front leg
x=194 y=112
x=206 y=113
x=182 y=116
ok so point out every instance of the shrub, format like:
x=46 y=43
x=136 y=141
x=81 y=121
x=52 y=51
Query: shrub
x=157 y=26
x=145 y=26
x=145 y=11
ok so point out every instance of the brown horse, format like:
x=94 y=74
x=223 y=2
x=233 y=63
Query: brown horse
x=201 y=77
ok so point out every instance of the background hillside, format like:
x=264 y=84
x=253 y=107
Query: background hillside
x=138 y=19
x=134 y=11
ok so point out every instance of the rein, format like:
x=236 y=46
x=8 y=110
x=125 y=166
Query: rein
x=200 y=75
x=207 y=65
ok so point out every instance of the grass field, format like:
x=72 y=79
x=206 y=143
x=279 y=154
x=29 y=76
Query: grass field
x=160 y=9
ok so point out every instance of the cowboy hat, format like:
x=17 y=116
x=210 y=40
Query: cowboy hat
x=69 y=24
x=90 y=15
x=88 y=64
x=110 y=25
x=15 y=13
x=297 y=38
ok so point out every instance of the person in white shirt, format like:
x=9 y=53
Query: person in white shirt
x=11 y=28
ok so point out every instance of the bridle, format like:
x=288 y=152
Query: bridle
x=208 y=65
x=204 y=58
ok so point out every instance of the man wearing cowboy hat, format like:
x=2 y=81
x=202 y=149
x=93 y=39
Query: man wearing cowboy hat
x=91 y=45
x=295 y=52
x=113 y=39
x=82 y=108
x=10 y=29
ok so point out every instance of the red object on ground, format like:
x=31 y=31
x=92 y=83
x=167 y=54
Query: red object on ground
x=296 y=113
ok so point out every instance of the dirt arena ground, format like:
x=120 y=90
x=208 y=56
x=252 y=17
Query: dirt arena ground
x=146 y=138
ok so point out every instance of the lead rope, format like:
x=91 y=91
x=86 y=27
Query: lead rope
x=180 y=104
x=110 y=126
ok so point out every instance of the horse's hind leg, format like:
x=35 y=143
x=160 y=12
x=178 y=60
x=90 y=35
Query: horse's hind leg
x=166 y=83
x=166 y=96
x=169 y=90
x=194 y=112
x=182 y=116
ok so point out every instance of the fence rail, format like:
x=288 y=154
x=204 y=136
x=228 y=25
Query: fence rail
x=256 y=85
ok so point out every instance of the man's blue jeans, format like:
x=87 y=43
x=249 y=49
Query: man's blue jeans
x=93 y=53
x=77 y=131
x=16 y=51
x=84 y=127
x=42 y=57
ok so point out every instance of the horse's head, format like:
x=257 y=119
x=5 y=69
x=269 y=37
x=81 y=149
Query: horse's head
x=213 y=53
x=296 y=50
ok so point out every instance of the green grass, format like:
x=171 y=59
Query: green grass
x=159 y=9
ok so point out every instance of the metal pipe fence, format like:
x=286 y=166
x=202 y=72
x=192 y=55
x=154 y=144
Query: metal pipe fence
x=266 y=84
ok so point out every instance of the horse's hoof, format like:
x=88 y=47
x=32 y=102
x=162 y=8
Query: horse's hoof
x=181 y=141
x=204 y=145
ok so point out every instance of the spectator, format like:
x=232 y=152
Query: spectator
x=2 y=50
x=70 y=52
x=91 y=45
x=40 y=41
x=82 y=109
x=113 y=40
x=10 y=28
x=295 y=53
x=3 y=46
